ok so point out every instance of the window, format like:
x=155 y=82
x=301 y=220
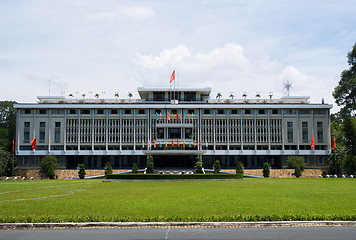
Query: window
x=71 y=111
x=290 y=111
x=26 y=124
x=141 y=111
x=158 y=111
x=85 y=111
x=305 y=136
x=320 y=136
x=290 y=131
x=113 y=111
x=320 y=160
x=304 y=124
x=289 y=124
x=100 y=111
x=276 y=111
x=42 y=136
x=174 y=133
x=248 y=111
x=191 y=111
x=206 y=111
x=57 y=136
x=57 y=111
x=188 y=133
x=290 y=136
x=127 y=111
x=235 y=111
x=25 y=161
x=42 y=124
x=27 y=111
x=319 y=124
x=319 y=111
x=26 y=137
x=304 y=111
x=43 y=111
x=220 y=111
x=160 y=132
x=262 y=111
x=57 y=124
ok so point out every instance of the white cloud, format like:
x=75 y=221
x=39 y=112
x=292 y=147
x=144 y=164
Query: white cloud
x=137 y=12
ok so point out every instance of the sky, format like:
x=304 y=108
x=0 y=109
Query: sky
x=62 y=47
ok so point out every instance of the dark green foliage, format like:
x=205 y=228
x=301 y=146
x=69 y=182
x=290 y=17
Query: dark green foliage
x=134 y=168
x=345 y=92
x=266 y=170
x=10 y=167
x=198 y=166
x=5 y=163
x=297 y=172
x=294 y=161
x=49 y=161
x=81 y=171
x=172 y=176
x=50 y=172
x=108 y=169
x=349 y=165
x=7 y=124
x=336 y=158
x=240 y=170
x=150 y=165
x=217 y=167
x=349 y=126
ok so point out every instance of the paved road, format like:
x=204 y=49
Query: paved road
x=298 y=233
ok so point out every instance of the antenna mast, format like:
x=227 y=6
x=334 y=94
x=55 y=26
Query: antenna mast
x=287 y=86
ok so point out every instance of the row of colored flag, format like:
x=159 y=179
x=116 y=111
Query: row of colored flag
x=173 y=143
x=178 y=116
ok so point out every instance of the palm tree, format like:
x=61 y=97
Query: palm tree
x=270 y=95
x=258 y=95
x=218 y=95
x=71 y=95
x=97 y=95
x=130 y=95
x=116 y=95
x=244 y=95
x=232 y=96
x=83 y=95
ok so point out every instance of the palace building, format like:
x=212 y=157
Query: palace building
x=174 y=132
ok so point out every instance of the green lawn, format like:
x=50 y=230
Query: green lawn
x=246 y=200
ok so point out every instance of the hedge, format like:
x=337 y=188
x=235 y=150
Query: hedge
x=172 y=176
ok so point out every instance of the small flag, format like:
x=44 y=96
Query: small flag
x=188 y=117
x=172 y=116
x=13 y=145
x=333 y=145
x=184 y=117
x=172 y=143
x=206 y=143
x=168 y=116
x=160 y=116
x=173 y=76
x=33 y=144
x=177 y=116
x=160 y=145
x=312 y=143
x=156 y=116
x=183 y=143
x=149 y=143
x=143 y=144
x=154 y=143
x=194 y=143
x=165 y=142
x=189 y=143
x=201 y=144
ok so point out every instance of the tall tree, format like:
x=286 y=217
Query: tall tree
x=345 y=92
x=7 y=124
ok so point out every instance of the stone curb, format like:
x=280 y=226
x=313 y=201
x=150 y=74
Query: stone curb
x=18 y=226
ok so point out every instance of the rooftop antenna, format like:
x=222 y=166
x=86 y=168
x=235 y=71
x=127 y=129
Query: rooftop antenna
x=287 y=86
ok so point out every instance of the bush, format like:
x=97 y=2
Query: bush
x=294 y=161
x=50 y=172
x=48 y=164
x=349 y=165
x=198 y=166
x=240 y=170
x=150 y=165
x=297 y=172
x=7 y=163
x=108 y=169
x=266 y=170
x=81 y=171
x=134 y=168
x=217 y=167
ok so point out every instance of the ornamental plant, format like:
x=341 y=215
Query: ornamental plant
x=198 y=166
x=48 y=165
x=240 y=170
x=266 y=170
x=297 y=172
x=150 y=165
x=217 y=167
x=134 y=168
x=108 y=169
x=81 y=171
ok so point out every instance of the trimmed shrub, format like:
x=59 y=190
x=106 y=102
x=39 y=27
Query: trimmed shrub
x=266 y=170
x=294 y=161
x=81 y=171
x=217 y=167
x=134 y=168
x=50 y=172
x=150 y=165
x=198 y=166
x=240 y=170
x=49 y=164
x=297 y=172
x=108 y=169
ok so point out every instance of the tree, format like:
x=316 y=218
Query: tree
x=48 y=164
x=294 y=161
x=150 y=165
x=349 y=164
x=217 y=166
x=244 y=95
x=297 y=171
x=198 y=166
x=231 y=96
x=97 y=95
x=6 y=163
x=218 y=95
x=336 y=159
x=258 y=95
x=81 y=172
x=83 y=95
x=116 y=95
x=108 y=169
x=7 y=124
x=51 y=173
x=270 y=96
x=266 y=170
x=240 y=170
x=134 y=168
x=130 y=95
x=345 y=92
x=71 y=95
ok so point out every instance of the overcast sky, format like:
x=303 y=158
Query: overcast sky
x=108 y=46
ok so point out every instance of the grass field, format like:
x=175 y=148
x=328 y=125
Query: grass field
x=246 y=200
